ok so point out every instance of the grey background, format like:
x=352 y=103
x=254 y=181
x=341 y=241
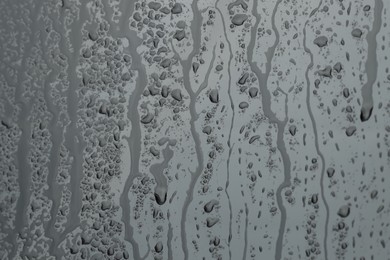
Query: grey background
x=194 y=129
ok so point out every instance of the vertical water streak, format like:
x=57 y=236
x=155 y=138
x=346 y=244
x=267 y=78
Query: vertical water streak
x=316 y=141
x=371 y=63
x=187 y=66
x=170 y=236
x=73 y=133
x=134 y=140
x=56 y=136
x=24 y=169
x=266 y=102
x=246 y=231
x=316 y=138
x=230 y=130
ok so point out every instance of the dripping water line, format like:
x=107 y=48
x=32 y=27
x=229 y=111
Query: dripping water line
x=307 y=50
x=134 y=141
x=72 y=131
x=230 y=131
x=24 y=169
x=186 y=66
x=266 y=101
x=54 y=190
x=371 y=63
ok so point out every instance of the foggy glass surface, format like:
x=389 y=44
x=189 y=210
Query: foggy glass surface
x=194 y=129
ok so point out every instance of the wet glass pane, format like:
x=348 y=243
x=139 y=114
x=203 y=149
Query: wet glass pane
x=194 y=129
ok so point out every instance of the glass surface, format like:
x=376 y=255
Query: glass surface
x=204 y=129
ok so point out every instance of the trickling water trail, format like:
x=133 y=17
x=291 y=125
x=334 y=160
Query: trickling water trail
x=230 y=145
x=286 y=183
x=24 y=169
x=73 y=139
x=319 y=153
x=266 y=101
x=186 y=66
x=56 y=136
x=54 y=192
x=246 y=231
x=134 y=140
x=371 y=63
x=170 y=235
x=316 y=138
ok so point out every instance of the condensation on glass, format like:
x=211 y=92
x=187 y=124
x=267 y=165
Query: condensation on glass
x=204 y=129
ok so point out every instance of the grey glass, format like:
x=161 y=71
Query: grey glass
x=194 y=129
